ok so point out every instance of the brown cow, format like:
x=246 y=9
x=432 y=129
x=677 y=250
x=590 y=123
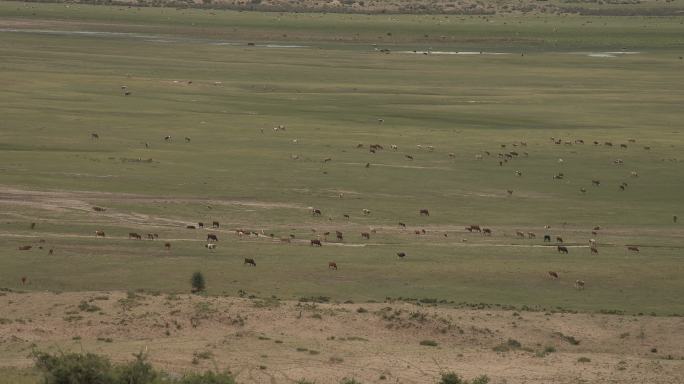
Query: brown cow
x=212 y=237
x=316 y=242
x=99 y=234
x=486 y=232
x=150 y=236
x=25 y=248
x=596 y=182
x=365 y=235
x=633 y=248
x=51 y=252
x=594 y=250
x=33 y=225
x=339 y=235
x=559 y=239
x=474 y=228
x=215 y=224
x=424 y=212
x=402 y=225
x=332 y=265
x=167 y=246
x=553 y=274
x=520 y=234
x=200 y=224
x=315 y=212
x=133 y=235
x=190 y=227
x=401 y=254
x=249 y=262
x=531 y=235
x=24 y=279
x=562 y=249
x=346 y=216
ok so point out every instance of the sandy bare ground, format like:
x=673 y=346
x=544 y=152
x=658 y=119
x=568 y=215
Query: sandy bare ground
x=267 y=341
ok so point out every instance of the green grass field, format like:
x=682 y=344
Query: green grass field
x=57 y=87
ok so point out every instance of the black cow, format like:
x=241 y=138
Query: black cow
x=212 y=237
x=250 y=262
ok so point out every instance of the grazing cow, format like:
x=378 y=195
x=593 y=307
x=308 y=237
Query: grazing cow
x=486 y=232
x=597 y=228
x=531 y=235
x=520 y=234
x=187 y=139
x=167 y=246
x=452 y=155
x=285 y=240
x=401 y=254
x=596 y=183
x=339 y=235
x=190 y=227
x=417 y=232
x=365 y=235
x=24 y=279
x=212 y=237
x=315 y=242
x=553 y=274
x=210 y=246
x=583 y=190
x=133 y=235
x=623 y=146
x=402 y=225
x=94 y=136
x=99 y=209
x=674 y=219
x=424 y=212
x=562 y=249
x=547 y=238
x=632 y=140
x=366 y=211
x=51 y=252
x=409 y=157
x=622 y=187
x=33 y=225
x=633 y=248
x=315 y=212
x=594 y=250
x=200 y=225
x=579 y=284
x=559 y=239
x=474 y=228
x=608 y=143
x=619 y=161
x=332 y=265
x=596 y=142
x=167 y=139
x=647 y=148
x=327 y=159
x=367 y=166
x=25 y=248
x=509 y=191
x=249 y=262
x=215 y=224
x=150 y=236
x=99 y=234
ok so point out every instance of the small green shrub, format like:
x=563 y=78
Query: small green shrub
x=429 y=343
x=451 y=378
x=198 y=283
x=583 y=360
x=484 y=379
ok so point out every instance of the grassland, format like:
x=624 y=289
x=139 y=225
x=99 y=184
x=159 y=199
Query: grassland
x=193 y=73
x=58 y=87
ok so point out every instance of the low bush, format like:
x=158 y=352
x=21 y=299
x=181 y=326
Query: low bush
x=88 y=368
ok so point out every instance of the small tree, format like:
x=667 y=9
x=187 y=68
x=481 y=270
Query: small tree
x=198 y=283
